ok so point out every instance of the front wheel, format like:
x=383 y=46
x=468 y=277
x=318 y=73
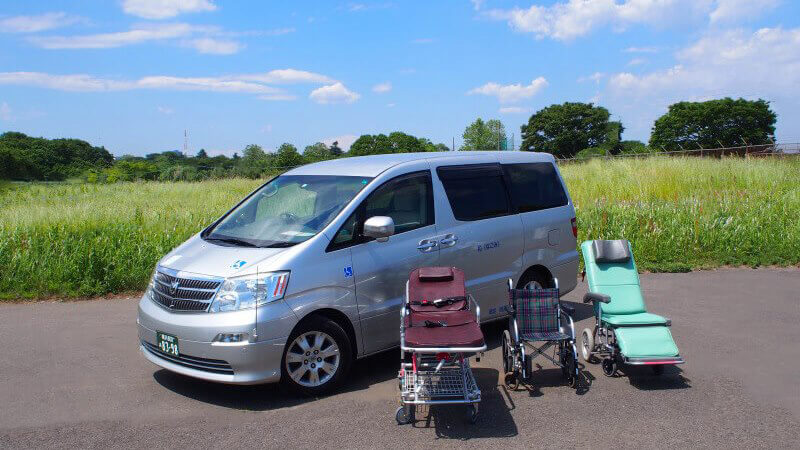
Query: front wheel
x=317 y=357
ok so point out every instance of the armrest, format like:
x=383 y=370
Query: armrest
x=595 y=297
x=567 y=309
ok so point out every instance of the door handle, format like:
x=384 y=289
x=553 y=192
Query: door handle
x=426 y=245
x=449 y=240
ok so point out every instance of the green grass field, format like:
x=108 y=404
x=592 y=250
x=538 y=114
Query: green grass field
x=77 y=240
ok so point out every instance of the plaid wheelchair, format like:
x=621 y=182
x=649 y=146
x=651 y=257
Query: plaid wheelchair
x=537 y=317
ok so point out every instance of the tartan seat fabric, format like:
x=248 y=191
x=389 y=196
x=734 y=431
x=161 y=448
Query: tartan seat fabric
x=537 y=312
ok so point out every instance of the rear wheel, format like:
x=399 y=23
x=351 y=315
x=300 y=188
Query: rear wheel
x=609 y=367
x=534 y=280
x=404 y=415
x=317 y=357
x=472 y=413
x=587 y=345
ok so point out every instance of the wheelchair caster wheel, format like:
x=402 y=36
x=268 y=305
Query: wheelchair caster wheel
x=472 y=414
x=511 y=381
x=404 y=417
x=609 y=367
x=658 y=370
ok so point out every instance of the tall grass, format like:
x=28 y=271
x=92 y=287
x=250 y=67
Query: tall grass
x=679 y=213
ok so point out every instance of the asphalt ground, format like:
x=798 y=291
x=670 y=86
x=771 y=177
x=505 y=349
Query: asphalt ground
x=71 y=376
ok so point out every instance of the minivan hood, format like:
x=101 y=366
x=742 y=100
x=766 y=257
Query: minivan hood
x=204 y=258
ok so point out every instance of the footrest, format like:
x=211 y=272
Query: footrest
x=646 y=342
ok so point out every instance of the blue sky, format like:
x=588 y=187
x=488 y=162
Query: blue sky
x=133 y=74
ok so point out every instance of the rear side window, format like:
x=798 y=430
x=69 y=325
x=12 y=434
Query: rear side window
x=535 y=186
x=475 y=191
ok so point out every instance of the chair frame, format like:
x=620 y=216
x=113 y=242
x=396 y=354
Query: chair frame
x=523 y=361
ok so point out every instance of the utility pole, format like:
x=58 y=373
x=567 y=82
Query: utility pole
x=453 y=148
x=185 y=142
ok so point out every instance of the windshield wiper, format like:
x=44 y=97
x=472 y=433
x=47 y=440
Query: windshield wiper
x=280 y=244
x=234 y=241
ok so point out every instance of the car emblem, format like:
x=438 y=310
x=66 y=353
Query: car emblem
x=173 y=288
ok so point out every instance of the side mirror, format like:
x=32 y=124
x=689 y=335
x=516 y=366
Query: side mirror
x=379 y=227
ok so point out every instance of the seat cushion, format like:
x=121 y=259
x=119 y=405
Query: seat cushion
x=646 y=342
x=634 y=319
x=548 y=336
x=461 y=330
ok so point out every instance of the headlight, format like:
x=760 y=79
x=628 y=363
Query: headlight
x=151 y=285
x=250 y=290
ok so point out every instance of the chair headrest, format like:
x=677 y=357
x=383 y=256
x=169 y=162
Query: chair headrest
x=616 y=251
x=435 y=274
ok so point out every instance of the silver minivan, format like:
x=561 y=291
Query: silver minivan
x=308 y=272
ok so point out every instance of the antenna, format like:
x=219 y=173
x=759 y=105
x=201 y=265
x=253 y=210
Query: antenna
x=185 y=142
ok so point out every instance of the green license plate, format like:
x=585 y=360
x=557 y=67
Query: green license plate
x=167 y=343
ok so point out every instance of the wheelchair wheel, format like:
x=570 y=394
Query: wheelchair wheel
x=403 y=416
x=587 y=345
x=570 y=363
x=511 y=381
x=472 y=413
x=609 y=367
x=508 y=354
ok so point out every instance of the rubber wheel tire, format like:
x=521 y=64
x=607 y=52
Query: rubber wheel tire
x=609 y=367
x=335 y=331
x=571 y=364
x=508 y=358
x=402 y=418
x=534 y=277
x=472 y=414
x=511 y=381
x=587 y=346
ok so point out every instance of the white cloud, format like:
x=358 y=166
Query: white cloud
x=33 y=24
x=344 y=141
x=514 y=110
x=139 y=34
x=477 y=4
x=567 y=20
x=5 y=112
x=88 y=83
x=510 y=93
x=288 y=76
x=641 y=50
x=163 y=9
x=390 y=105
x=333 y=93
x=165 y=110
x=597 y=77
x=736 y=10
x=213 y=46
x=765 y=63
x=637 y=61
x=381 y=88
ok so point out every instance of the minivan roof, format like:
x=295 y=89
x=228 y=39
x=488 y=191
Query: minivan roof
x=373 y=165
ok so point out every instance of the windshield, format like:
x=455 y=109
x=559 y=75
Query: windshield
x=287 y=210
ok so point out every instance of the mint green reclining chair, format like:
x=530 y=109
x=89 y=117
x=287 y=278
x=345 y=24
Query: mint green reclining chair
x=624 y=332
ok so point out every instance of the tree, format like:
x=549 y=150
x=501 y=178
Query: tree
x=202 y=154
x=317 y=152
x=566 y=129
x=367 y=144
x=480 y=135
x=714 y=123
x=287 y=157
x=335 y=150
x=254 y=161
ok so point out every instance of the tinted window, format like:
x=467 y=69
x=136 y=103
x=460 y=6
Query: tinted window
x=535 y=186
x=475 y=191
x=408 y=200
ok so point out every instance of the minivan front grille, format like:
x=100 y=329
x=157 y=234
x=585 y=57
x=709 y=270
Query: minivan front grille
x=183 y=294
x=192 y=362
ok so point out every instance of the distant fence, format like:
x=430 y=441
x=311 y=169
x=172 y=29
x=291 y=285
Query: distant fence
x=749 y=151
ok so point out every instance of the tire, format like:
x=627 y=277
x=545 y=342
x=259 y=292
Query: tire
x=308 y=370
x=472 y=413
x=404 y=417
x=587 y=345
x=511 y=381
x=609 y=367
x=508 y=357
x=534 y=280
x=570 y=365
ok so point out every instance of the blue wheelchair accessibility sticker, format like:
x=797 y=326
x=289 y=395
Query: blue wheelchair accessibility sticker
x=239 y=263
x=348 y=271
